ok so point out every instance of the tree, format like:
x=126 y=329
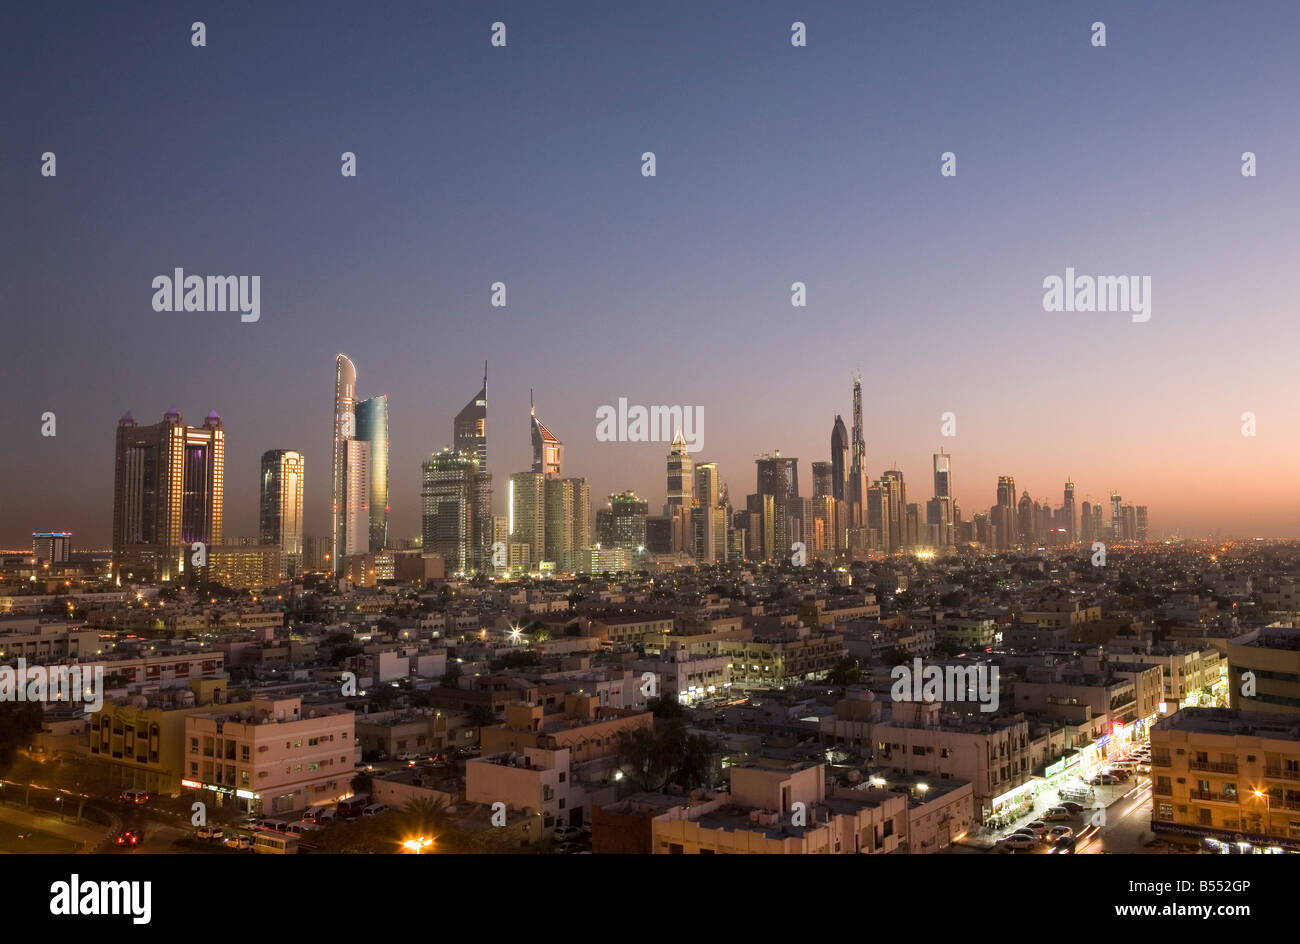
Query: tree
x=18 y=722
x=363 y=783
x=652 y=758
x=844 y=672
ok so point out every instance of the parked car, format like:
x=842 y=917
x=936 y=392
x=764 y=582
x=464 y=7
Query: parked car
x=135 y=796
x=407 y=755
x=326 y=816
x=1037 y=827
x=1057 y=813
x=1020 y=841
x=239 y=841
x=1060 y=832
x=374 y=809
x=208 y=832
x=1075 y=808
x=567 y=832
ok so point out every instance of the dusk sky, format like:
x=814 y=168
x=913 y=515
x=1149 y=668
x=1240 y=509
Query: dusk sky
x=775 y=164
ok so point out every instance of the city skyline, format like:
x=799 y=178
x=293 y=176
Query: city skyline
x=671 y=289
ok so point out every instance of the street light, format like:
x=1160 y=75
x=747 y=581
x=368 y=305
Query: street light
x=1268 y=810
x=418 y=844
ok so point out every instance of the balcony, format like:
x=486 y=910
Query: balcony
x=1213 y=797
x=1222 y=767
x=1280 y=774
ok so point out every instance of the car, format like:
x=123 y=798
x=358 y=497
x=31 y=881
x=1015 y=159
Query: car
x=321 y=816
x=302 y=828
x=127 y=838
x=374 y=809
x=1122 y=774
x=567 y=848
x=208 y=832
x=1104 y=780
x=1057 y=813
x=567 y=832
x=1020 y=841
x=239 y=841
x=1022 y=832
x=1060 y=832
x=407 y=755
x=1037 y=827
x=276 y=825
x=135 y=796
x=1075 y=808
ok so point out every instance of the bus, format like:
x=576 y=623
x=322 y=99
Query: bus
x=270 y=842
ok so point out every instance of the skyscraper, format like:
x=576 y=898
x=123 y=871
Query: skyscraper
x=681 y=493
x=372 y=429
x=858 y=471
x=943 y=518
x=892 y=481
x=822 y=474
x=548 y=452
x=1116 y=517
x=1071 y=523
x=469 y=432
x=568 y=521
x=168 y=493
x=1004 y=517
x=623 y=523
x=1086 y=532
x=456 y=519
x=280 y=505
x=345 y=430
x=527 y=514
x=840 y=461
x=1142 y=531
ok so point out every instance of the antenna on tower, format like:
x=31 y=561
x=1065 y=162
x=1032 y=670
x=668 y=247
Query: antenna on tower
x=532 y=410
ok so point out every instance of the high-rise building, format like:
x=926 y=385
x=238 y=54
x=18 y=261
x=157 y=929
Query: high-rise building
x=345 y=430
x=1142 y=530
x=840 y=461
x=469 y=432
x=1026 y=529
x=168 y=493
x=280 y=506
x=55 y=547
x=879 y=517
x=623 y=522
x=372 y=429
x=822 y=474
x=708 y=492
x=1005 y=524
x=457 y=511
x=1071 y=523
x=1086 y=533
x=858 y=470
x=548 y=452
x=356 y=501
x=681 y=488
x=1116 y=517
x=568 y=521
x=940 y=515
x=1096 y=521
x=527 y=513
x=892 y=481
x=778 y=475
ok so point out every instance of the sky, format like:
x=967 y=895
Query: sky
x=774 y=164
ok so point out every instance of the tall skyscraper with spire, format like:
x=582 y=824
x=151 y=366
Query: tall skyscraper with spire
x=548 y=452
x=858 y=471
x=469 y=433
x=1071 y=522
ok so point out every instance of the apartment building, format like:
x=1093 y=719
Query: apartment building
x=270 y=756
x=1229 y=775
x=1264 y=670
